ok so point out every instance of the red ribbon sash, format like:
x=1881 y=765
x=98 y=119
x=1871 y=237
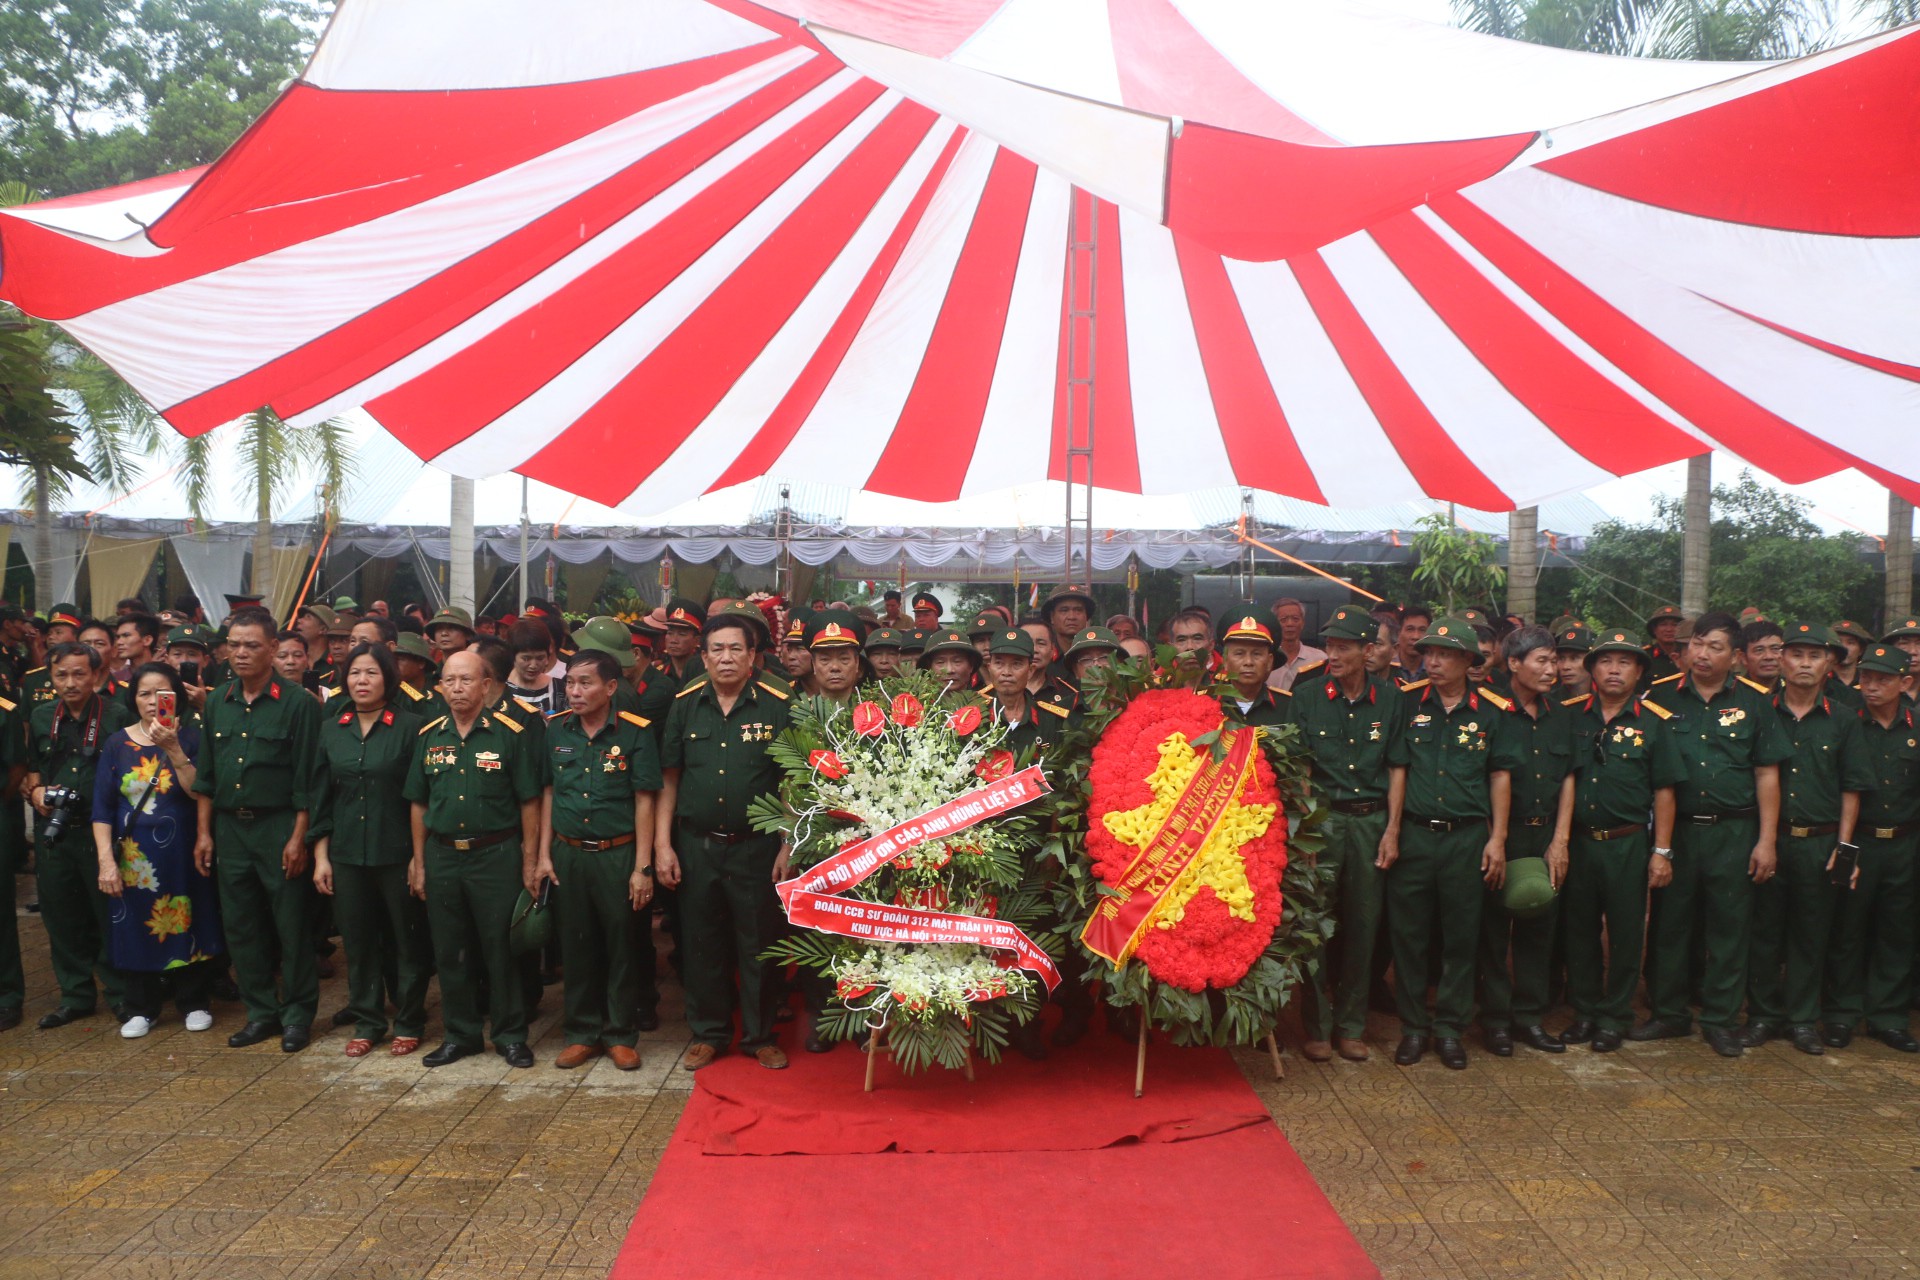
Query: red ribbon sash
x=811 y=900
x=1116 y=925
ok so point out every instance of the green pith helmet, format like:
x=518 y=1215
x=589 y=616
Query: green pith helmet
x=885 y=638
x=605 y=635
x=1350 y=622
x=1091 y=640
x=1886 y=658
x=1616 y=641
x=1011 y=640
x=1452 y=632
x=451 y=616
x=1572 y=636
x=948 y=642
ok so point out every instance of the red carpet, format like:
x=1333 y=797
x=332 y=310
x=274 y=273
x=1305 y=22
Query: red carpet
x=1050 y=1169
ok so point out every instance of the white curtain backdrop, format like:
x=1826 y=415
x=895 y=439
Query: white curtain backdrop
x=213 y=569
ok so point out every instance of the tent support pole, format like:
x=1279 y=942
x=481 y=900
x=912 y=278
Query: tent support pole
x=1240 y=532
x=523 y=546
x=1083 y=307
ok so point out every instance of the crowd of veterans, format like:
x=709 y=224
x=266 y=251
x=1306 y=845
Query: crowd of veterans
x=1517 y=817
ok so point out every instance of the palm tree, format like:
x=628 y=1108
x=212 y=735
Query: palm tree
x=1703 y=30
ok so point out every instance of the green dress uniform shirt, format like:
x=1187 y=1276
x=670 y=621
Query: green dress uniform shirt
x=1044 y=725
x=1269 y=707
x=1841 y=693
x=474 y=786
x=36 y=687
x=1722 y=741
x=1546 y=745
x=595 y=779
x=1829 y=757
x=1348 y=740
x=1623 y=761
x=263 y=754
x=722 y=757
x=365 y=812
x=60 y=761
x=1449 y=755
x=1893 y=755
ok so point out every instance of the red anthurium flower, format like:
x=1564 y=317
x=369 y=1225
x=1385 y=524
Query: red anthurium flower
x=827 y=765
x=996 y=766
x=964 y=721
x=869 y=721
x=907 y=711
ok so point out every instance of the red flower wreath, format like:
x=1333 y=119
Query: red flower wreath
x=1209 y=947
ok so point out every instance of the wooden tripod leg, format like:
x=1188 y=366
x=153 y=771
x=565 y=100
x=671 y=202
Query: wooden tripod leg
x=1273 y=1047
x=1140 y=1063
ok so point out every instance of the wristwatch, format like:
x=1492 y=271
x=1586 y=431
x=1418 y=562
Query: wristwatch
x=1664 y=853
x=646 y=871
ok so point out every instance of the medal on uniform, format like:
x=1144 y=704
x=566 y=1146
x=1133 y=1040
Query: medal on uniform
x=486 y=759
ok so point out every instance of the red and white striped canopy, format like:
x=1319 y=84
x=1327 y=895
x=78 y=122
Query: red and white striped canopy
x=641 y=249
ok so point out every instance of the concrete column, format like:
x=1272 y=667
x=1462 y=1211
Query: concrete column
x=1523 y=562
x=460 y=539
x=1899 y=559
x=1696 y=535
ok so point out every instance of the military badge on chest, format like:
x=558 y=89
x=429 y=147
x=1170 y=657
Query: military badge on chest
x=613 y=761
x=442 y=757
x=1472 y=736
x=488 y=760
x=756 y=733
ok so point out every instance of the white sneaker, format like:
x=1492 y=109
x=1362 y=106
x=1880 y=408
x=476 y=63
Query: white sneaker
x=135 y=1027
x=199 y=1020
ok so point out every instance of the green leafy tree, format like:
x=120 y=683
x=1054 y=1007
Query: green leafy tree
x=1456 y=567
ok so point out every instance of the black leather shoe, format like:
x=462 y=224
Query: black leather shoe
x=1755 y=1034
x=1654 y=1030
x=647 y=1019
x=815 y=1043
x=1499 y=1041
x=1725 y=1041
x=1835 y=1036
x=253 y=1033
x=343 y=1018
x=9 y=1019
x=1897 y=1038
x=1578 y=1032
x=1410 y=1050
x=446 y=1053
x=517 y=1055
x=1453 y=1054
x=1807 y=1040
x=1607 y=1041
x=62 y=1016
x=1536 y=1037
x=294 y=1039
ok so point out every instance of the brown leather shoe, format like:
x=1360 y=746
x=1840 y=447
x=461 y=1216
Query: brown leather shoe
x=1352 y=1050
x=624 y=1057
x=771 y=1056
x=698 y=1056
x=1317 y=1051
x=575 y=1055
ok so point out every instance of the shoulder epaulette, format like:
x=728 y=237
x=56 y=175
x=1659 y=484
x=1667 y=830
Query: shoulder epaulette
x=1666 y=679
x=1755 y=685
x=508 y=721
x=1310 y=668
x=781 y=694
x=1574 y=701
x=695 y=687
x=1657 y=709
x=412 y=692
x=1285 y=693
x=1411 y=685
x=1057 y=709
x=526 y=706
x=1505 y=704
x=632 y=719
x=36 y=671
x=6 y=706
x=431 y=725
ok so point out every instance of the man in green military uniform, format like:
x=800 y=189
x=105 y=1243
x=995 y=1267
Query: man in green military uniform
x=63 y=751
x=1819 y=807
x=450 y=631
x=1516 y=952
x=1665 y=656
x=1629 y=766
x=1725 y=840
x=927 y=611
x=419 y=678
x=605 y=770
x=715 y=761
x=1850 y=640
x=13 y=848
x=1348 y=719
x=837 y=666
x=36 y=683
x=1872 y=959
x=1032 y=724
x=1090 y=647
x=259 y=774
x=1571 y=642
x=884 y=652
x=475 y=785
x=1247 y=650
x=952 y=657
x=1446 y=836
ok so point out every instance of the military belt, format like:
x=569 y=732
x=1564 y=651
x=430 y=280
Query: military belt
x=728 y=837
x=1709 y=819
x=1615 y=833
x=596 y=846
x=1811 y=828
x=1358 y=808
x=467 y=844
x=252 y=815
x=1892 y=833
x=1446 y=824
x=1533 y=822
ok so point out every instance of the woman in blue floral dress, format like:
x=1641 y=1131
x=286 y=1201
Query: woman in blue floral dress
x=166 y=922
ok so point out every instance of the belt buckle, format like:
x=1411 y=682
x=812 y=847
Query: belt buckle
x=1702 y=819
x=463 y=846
x=1799 y=831
x=1885 y=833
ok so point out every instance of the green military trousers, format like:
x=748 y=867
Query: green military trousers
x=1792 y=933
x=1516 y=954
x=268 y=917
x=597 y=944
x=387 y=950
x=1871 y=961
x=1334 y=1001
x=1710 y=900
x=729 y=916
x=1606 y=891
x=470 y=900
x=1435 y=889
x=76 y=914
x=13 y=850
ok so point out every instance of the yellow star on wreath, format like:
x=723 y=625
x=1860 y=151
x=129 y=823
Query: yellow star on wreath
x=1218 y=865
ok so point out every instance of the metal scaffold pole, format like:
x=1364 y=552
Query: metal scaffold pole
x=1083 y=305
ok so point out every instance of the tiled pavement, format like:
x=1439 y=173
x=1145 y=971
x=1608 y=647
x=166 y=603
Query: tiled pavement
x=176 y=1156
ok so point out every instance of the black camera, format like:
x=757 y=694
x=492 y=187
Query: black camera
x=61 y=803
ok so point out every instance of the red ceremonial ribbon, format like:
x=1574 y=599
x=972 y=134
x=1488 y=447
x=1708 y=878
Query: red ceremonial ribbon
x=812 y=903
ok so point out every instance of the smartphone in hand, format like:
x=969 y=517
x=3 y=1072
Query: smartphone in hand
x=1845 y=859
x=166 y=711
